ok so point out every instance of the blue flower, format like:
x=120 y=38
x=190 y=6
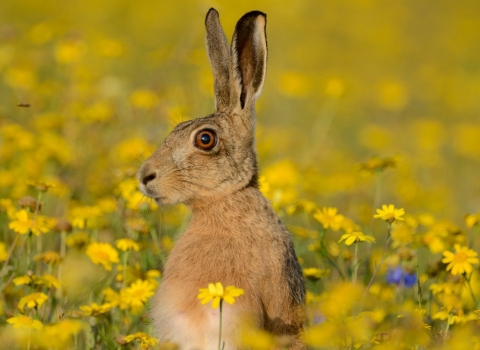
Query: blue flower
x=400 y=277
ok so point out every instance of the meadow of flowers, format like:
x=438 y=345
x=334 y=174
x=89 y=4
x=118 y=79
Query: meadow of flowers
x=368 y=141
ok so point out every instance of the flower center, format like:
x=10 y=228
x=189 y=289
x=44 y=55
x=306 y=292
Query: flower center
x=460 y=258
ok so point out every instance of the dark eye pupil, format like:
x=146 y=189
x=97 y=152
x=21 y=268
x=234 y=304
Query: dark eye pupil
x=205 y=138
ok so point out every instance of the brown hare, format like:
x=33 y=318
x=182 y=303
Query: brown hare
x=234 y=237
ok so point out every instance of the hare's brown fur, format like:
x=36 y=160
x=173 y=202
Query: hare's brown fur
x=234 y=236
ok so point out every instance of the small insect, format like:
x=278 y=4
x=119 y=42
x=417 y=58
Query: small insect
x=23 y=104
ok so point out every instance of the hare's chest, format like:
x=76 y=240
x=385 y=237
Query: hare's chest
x=211 y=259
x=182 y=319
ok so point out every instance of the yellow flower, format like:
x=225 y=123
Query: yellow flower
x=461 y=261
x=472 y=220
x=49 y=257
x=3 y=251
x=137 y=225
x=78 y=240
x=22 y=280
x=314 y=274
x=356 y=237
x=34 y=300
x=216 y=293
x=375 y=164
x=85 y=216
x=40 y=185
x=59 y=335
x=70 y=51
x=94 y=309
x=144 y=99
x=329 y=218
x=389 y=213
x=49 y=281
x=25 y=322
x=102 y=253
x=125 y=244
x=138 y=293
x=153 y=276
x=145 y=340
x=115 y=299
x=24 y=223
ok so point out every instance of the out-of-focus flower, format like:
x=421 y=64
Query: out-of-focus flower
x=59 y=335
x=329 y=218
x=49 y=257
x=40 y=185
x=356 y=237
x=24 y=223
x=95 y=310
x=145 y=340
x=28 y=202
x=85 y=216
x=303 y=205
x=47 y=280
x=294 y=84
x=256 y=339
x=135 y=200
x=22 y=280
x=375 y=164
x=70 y=51
x=153 y=276
x=3 y=251
x=126 y=244
x=6 y=205
x=137 y=225
x=461 y=261
x=314 y=274
x=402 y=277
x=25 y=322
x=62 y=225
x=216 y=293
x=102 y=253
x=115 y=299
x=138 y=293
x=393 y=95
x=389 y=213
x=402 y=235
x=472 y=220
x=78 y=240
x=143 y=99
x=335 y=88
x=34 y=300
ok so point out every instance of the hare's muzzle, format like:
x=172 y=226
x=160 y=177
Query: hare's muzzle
x=146 y=175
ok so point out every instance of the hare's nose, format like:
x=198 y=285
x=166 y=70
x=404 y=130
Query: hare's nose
x=149 y=178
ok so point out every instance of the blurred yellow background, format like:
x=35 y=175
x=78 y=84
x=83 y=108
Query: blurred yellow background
x=347 y=80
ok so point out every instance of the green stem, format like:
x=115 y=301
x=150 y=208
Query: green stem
x=378 y=188
x=355 y=263
x=220 y=331
x=470 y=289
x=384 y=253
x=447 y=328
x=63 y=249
x=125 y=260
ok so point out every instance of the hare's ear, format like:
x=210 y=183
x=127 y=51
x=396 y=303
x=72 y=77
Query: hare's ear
x=249 y=59
x=219 y=56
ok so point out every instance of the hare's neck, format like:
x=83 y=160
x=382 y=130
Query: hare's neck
x=240 y=206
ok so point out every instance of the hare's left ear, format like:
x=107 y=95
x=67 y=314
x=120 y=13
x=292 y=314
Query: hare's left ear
x=219 y=56
x=249 y=60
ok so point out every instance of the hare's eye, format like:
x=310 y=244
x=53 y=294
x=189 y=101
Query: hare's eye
x=206 y=139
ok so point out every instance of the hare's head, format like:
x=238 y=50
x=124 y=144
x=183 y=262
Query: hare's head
x=215 y=155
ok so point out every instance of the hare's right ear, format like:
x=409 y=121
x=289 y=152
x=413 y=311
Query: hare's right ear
x=219 y=56
x=249 y=59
